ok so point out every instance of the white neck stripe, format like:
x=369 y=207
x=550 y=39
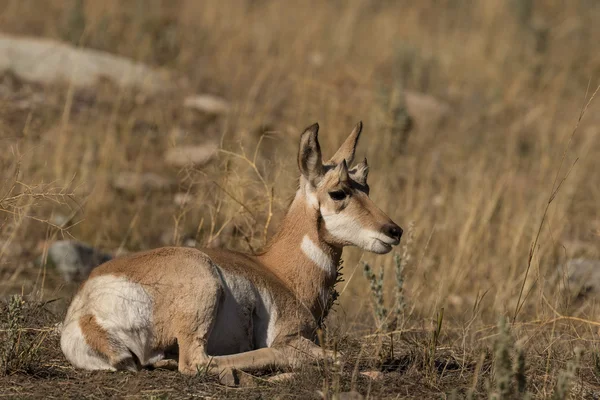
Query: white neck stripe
x=317 y=255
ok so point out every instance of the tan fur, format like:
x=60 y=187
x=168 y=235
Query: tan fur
x=96 y=336
x=246 y=311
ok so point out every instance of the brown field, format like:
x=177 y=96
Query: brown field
x=498 y=178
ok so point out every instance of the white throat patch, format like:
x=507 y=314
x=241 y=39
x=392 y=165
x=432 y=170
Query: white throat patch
x=317 y=255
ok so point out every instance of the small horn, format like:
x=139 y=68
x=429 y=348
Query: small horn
x=343 y=171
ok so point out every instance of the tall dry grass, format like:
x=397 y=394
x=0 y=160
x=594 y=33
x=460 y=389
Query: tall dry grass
x=515 y=74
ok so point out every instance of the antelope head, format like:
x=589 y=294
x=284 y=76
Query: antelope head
x=340 y=196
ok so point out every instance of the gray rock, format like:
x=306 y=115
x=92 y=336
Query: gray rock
x=75 y=260
x=583 y=276
x=47 y=61
x=197 y=156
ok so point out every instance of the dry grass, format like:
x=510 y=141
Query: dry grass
x=491 y=223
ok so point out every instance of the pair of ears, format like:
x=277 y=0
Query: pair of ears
x=311 y=163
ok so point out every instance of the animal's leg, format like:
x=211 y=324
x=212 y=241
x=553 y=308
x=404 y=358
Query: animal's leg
x=251 y=360
x=192 y=354
x=291 y=354
x=195 y=330
x=310 y=351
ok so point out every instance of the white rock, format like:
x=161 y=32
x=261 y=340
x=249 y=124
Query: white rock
x=316 y=58
x=207 y=103
x=182 y=199
x=426 y=109
x=47 y=61
x=191 y=155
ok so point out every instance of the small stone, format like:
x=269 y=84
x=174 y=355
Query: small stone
x=207 y=103
x=134 y=182
x=75 y=260
x=438 y=200
x=189 y=242
x=182 y=199
x=191 y=155
x=316 y=59
x=59 y=220
x=426 y=109
x=374 y=375
x=455 y=300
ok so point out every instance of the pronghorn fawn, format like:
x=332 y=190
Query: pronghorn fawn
x=224 y=310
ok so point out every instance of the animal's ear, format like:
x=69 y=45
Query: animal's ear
x=348 y=148
x=309 y=155
x=360 y=172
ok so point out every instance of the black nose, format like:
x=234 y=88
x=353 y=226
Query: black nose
x=393 y=231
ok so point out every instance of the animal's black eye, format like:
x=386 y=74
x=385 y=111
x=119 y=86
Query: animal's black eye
x=337 y=195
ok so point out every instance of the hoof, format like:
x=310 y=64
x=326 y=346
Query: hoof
x=234 y=378
x=171 y=365
x=229 y=377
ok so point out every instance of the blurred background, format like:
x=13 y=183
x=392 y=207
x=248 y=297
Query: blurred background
x=131 y=125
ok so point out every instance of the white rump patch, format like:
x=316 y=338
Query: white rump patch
x=317 y=255
x=123 y=309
